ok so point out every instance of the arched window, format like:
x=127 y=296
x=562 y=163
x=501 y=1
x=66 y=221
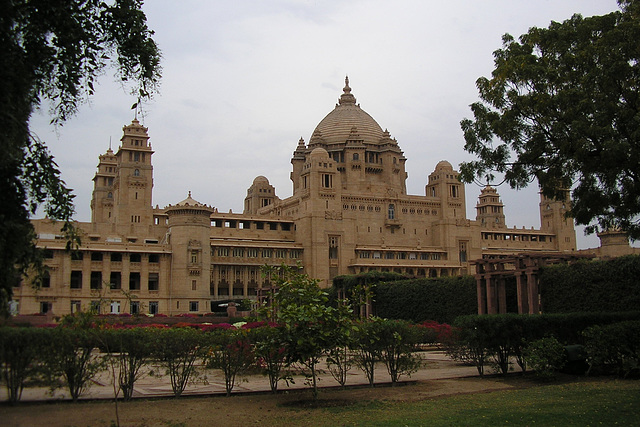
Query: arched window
x=136 y=172
x=109 y=195
x=392 y=211
x=356 y=156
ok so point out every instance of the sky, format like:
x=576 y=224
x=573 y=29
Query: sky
x=244 y=80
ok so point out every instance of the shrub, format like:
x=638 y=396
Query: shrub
x=231 y=353
x=546 y=356
x=178 y=349
x=614 y=347
x=269 y=350
x=129 y=349
x=70 y=356
x=398 y=341
x=20 y=349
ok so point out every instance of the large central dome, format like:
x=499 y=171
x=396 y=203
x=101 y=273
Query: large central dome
x=338 y=124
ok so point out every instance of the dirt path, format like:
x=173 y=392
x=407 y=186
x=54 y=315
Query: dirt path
x=238 y=410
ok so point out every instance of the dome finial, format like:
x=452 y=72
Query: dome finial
x=347 y=97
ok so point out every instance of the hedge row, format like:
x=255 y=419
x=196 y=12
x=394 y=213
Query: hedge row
x=592 y=286
x=440 y=299
x=71 y=356
x=498 y=338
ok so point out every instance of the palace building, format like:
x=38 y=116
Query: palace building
x=349 y=213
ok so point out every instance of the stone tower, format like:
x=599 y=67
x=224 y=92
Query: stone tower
x=102 y=199
x=553 y=219
x=489 y=209
x=189 y=233
x=133 y=183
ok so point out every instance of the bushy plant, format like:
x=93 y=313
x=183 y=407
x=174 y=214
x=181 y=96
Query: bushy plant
x=308 y=321
x=177 y=350
x=231 y=352
x=130 y=349
x=546 y=357
x=398 y=341
x=269 y=350
x=366 y=347
x=20 y=352
x=614 y=347
x=71 y=356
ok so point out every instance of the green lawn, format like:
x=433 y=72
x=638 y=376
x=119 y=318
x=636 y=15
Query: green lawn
x=580 y=404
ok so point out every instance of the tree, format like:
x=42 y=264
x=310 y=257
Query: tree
x=309 y=324
x=54 y=51
x=563 y=107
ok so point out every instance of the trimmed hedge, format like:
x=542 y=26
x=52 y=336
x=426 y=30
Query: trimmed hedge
x=502 y=336
x=441 y=299
x=592 y=286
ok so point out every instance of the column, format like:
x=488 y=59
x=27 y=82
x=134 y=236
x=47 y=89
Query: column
x=523 y=305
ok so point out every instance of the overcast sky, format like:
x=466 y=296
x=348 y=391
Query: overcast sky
x=243 y=80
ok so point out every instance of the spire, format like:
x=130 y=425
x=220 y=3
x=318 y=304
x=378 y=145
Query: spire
x=347 y=98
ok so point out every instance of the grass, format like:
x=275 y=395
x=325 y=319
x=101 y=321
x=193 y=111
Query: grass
x=575 y=404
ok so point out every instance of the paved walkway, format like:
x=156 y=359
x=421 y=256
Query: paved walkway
x=437 y=366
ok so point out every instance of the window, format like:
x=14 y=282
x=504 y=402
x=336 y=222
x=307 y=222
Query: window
x=115 y=280
x=76 y=306
x=223 y=251
x=76 y=256
x=193 y=305
x=115 y=307
x=116 y=257
x=153 y=281
x=96 y=280
x=46 y=280
x=392 y=211
x=281 y=253
x=154 y=258
x=333 y=247
x=96 y=256
x=45 y=307
x=327 y=180
x=135 y=258
x=95 y=306
x=76 y=280
x=136 y=158
x=134 y=307
x=153 y=307
x=356 y=156
x=194 y=285
x=238 y=252
x=294 y=253
x=194 y=257
x=266 y=253
x=136 y=172
x=134 y=281
x=252 y=253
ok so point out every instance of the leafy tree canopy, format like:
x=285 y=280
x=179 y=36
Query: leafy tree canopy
x=54 y=51
x=563 y=106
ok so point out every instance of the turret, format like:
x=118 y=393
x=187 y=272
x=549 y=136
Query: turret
x=489 y=209
x=133 y=183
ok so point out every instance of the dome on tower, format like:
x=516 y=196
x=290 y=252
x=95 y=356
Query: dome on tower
x=444 y=165
x=338 y=125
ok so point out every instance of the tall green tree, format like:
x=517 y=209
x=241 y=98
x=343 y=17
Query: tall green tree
x=310 y=326
x=54 y=51
x=562 y=106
